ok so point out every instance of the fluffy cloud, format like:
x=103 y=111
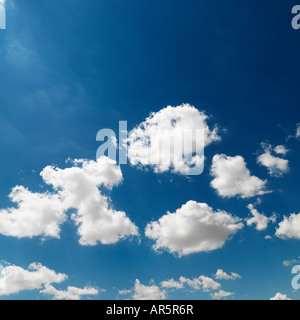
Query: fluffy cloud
x=289 y=227
x=41 y=214
x=15 y=279
x=78 y=187
x=221 y=275
x=260 y=220
x=195 y=227
x=36 y=215
x=221 y=294
x=276 y=166
x=280 y=296
x=151 y=292
x=71 y=293
x=232 y=178
x=158 y=140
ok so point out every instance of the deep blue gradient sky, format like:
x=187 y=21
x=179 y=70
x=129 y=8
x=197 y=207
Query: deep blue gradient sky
x=70 y=68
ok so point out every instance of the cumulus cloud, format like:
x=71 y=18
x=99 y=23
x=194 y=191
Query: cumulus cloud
x=289 y=227
x=15 y=279
x=158 y=141
x=260 y=220
x=280 y=296
x=276 y=166
x=152 y=292
x=78 y=186
x=221 y=275
x=232 y=178
x=71 y=293
x=221 y=294
x=75 y=188
x=36 y=214
x=195 y=227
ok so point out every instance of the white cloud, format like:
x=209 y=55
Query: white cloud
x=276 y=166
x=124 y=292
x=232 y=178
x=289 y=263
x=15 y=279
x=280 y=296
x=202 y=282
x=171 y=284
x=71 y=293
x=260 y=220
x=41 y=214
x=195 y=227
x=281 y=150
x=298 y=131
x=36 y=215
x=78 y=186
x=221 y=294
x=151 y=292
x=148 y=142
x=289 y=227
x=221 y=275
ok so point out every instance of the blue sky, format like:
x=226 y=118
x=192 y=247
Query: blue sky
x=71 y=68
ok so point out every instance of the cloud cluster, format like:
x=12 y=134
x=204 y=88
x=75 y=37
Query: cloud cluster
x=160 y=292
x=75 y=188
x=260 y=220
x=232 y=178
x=159 y=140
x=195 y=227
x=298 y=131
x=15 y=279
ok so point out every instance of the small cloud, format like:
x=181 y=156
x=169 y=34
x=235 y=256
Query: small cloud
x=232 y=178
x=221 y=294
x=260 y=220
x=221 y=275
x=280 y=296
x=276 y=166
